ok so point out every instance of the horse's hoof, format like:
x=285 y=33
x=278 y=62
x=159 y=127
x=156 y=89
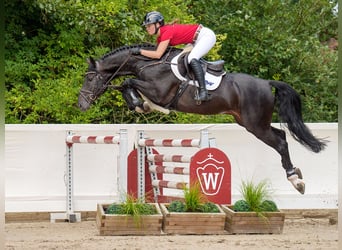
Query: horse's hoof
x=147 y=107
x=301 y=187
x=139 y=110
x=299 y=173
x=298 y=183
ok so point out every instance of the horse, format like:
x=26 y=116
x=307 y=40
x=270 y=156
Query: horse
x=249 y=99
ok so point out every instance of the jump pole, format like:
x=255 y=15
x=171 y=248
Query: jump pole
x=120 y=139
x=203 y=142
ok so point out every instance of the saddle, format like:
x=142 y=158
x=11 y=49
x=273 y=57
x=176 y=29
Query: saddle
x=213 y=67
x=214 y=70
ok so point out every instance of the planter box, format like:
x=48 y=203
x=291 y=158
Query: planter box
x=192 y=223
x=120 y=224
x=251 y=223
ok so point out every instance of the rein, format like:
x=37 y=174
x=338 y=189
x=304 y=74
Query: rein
x=158 y=62
x=114 y=74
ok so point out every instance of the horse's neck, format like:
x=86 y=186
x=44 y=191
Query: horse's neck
x=113 y=62
x=130 y=64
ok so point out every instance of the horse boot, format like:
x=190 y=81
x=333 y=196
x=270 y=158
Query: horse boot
x=199 y=75
x=131 y=96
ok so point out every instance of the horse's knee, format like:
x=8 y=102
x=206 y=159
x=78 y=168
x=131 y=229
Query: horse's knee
x=127 y=83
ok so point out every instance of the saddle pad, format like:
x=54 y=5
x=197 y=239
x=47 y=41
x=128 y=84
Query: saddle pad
x=212 y=82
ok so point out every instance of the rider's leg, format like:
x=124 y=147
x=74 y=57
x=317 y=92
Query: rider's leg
x=199 y=75
x=205 y=41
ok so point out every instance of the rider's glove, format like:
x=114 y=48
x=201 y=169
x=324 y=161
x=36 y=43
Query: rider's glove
x=135 y=51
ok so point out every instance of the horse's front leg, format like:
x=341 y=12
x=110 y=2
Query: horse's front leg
x=133 y=98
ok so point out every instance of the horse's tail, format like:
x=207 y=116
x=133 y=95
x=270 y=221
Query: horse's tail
x=290 y=112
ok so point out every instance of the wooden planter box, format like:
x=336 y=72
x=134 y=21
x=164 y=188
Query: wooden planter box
x=120 y=224
x=252 y=223
x=192 y=223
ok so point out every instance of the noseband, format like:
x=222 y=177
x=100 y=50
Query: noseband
x=89 y=95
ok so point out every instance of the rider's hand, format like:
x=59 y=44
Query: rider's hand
x=135 y=51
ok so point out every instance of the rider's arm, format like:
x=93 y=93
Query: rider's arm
x=158 y=53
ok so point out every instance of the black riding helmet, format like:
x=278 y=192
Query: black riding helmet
x=153 y=17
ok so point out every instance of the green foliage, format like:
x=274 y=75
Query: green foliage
x=115 y=209
x=193 y=197
x=255 y=198
x=282 y=40
x=241 y=206
x=268 y=206
x=177 y=206
x=134 y=207
x=209 y=207
x=194 y=201
x=47 y=43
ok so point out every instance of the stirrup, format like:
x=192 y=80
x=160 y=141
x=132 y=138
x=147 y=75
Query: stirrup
x=198 y=95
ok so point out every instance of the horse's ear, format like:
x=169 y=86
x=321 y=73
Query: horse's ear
x=98 y=66
x=91 y=61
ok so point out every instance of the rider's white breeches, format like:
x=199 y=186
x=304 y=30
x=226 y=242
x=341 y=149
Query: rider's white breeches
x=205 y=41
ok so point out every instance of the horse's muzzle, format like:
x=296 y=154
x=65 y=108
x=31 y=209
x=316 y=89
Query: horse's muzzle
x=82 y=103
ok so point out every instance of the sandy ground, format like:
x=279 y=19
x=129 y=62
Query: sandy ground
x=308 y=233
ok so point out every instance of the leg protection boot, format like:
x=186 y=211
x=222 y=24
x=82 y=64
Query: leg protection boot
x=132 y=99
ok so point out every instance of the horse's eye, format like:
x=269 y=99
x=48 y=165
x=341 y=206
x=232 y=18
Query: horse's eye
x=90 y=77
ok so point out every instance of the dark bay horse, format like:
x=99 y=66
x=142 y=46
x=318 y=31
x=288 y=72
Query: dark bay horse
x=250 y=100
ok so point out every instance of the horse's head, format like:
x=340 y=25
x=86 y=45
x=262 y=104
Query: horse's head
x=95 y=84
x=119 y=62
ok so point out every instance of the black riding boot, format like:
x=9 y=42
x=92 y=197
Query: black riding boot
x=199 y=75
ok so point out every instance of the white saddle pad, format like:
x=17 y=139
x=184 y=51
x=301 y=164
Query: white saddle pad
x=212 y=82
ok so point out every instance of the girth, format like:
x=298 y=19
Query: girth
x=173 y=103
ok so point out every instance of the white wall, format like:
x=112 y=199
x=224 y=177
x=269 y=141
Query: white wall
x=36 y=164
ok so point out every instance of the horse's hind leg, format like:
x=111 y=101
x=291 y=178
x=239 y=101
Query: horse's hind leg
x=276 y=138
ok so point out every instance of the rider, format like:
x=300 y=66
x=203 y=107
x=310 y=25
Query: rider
x=202 y=38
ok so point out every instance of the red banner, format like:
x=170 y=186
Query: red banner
x=210 y=167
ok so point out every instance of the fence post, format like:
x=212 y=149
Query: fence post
x=122 y=163
x=141 y=168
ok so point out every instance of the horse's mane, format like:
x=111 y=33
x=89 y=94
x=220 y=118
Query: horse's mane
x=147 y=46
x=128 y=47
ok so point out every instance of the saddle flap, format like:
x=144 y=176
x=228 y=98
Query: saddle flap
x=213 y=67
x=213 y=71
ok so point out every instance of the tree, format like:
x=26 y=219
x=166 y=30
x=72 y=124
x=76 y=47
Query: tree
x=281 y=40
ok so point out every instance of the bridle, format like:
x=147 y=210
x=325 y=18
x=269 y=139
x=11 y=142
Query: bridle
x=88 y=95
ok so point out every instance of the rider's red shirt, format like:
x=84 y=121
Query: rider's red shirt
x=177 y=33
